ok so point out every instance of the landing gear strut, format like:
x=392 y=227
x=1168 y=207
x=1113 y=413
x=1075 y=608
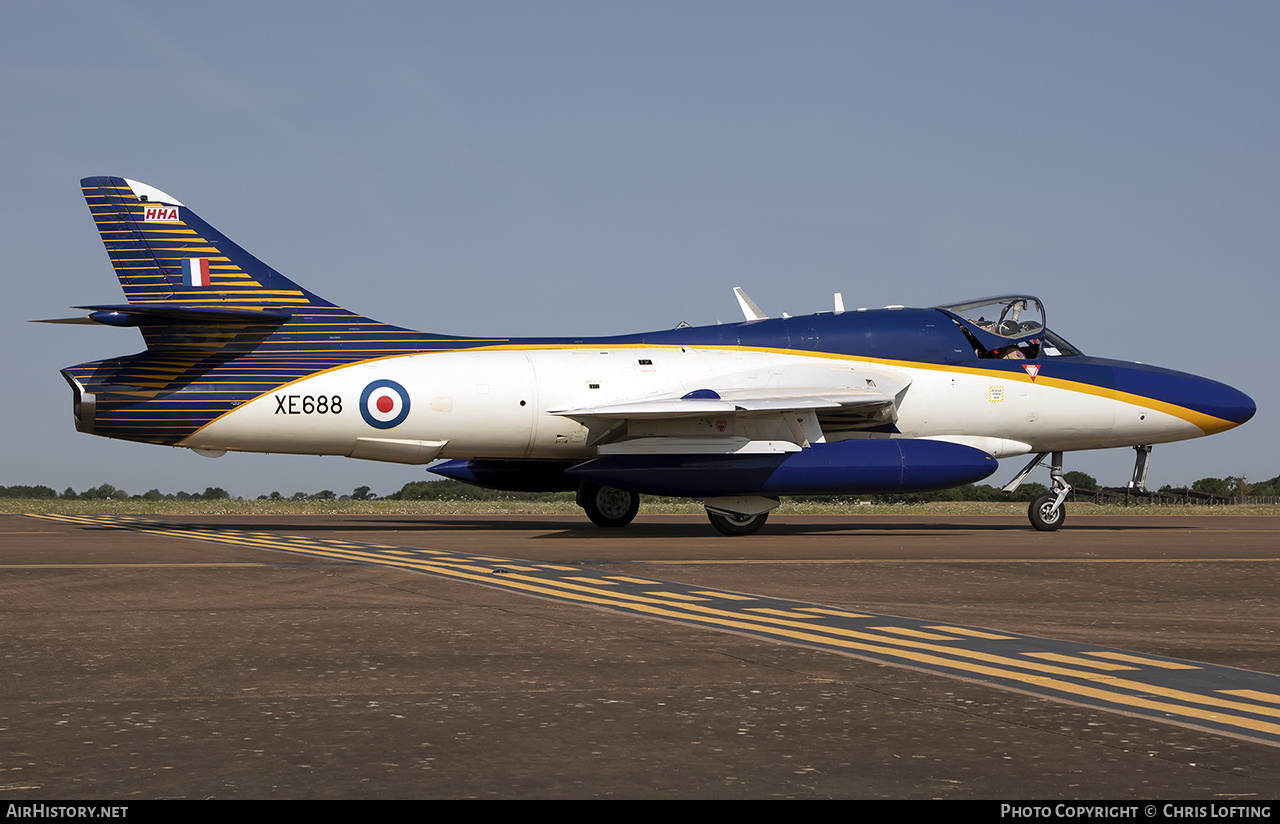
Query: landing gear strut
x=1141 y=462
x=606 y=506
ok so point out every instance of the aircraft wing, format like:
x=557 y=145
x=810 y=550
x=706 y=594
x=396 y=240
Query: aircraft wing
x=747 y=411
x=827 y=391
x=740 y=402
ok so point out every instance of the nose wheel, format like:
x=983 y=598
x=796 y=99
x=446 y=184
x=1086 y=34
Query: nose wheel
x=1046 y=513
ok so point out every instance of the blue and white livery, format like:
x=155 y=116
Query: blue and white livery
x=240 y=358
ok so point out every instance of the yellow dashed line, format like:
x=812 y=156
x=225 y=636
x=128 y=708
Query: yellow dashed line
x=1146 y=662
x=972 y=633
x=1254 y=694
x=728 y=596
x=679 y=596
x=784 y=613
x=1078 y=661
x=835 y=612
x=914 y=633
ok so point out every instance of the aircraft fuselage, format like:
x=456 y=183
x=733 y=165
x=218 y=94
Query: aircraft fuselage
x=500 y=400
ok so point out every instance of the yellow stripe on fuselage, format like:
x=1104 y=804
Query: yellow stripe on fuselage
x=1209 y=424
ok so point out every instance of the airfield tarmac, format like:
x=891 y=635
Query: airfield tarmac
x=378 y=657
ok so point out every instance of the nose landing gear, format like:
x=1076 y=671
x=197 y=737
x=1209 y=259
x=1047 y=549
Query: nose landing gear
x=1048 y=512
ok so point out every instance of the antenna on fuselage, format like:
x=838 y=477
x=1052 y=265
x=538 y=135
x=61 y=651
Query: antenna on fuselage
x=749 y=309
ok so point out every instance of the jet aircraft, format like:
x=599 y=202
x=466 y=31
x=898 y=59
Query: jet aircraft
x=240 y=358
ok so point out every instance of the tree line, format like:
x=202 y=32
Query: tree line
x=449 y=490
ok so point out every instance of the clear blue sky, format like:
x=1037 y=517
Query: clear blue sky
x=561 y=167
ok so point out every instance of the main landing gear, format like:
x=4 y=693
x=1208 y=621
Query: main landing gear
x=606 y=506
x=614 y=508
x=740 y=515
x=734 y=525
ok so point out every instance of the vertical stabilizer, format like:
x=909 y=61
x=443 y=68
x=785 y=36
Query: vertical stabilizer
x=164 y=253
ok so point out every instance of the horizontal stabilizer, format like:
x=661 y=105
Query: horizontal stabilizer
x=129 y=314
x=86 y=319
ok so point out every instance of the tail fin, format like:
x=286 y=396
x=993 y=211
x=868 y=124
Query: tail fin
x=165 y=254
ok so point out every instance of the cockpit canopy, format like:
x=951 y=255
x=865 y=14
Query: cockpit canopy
x=1008 y=326
x=1009 y=316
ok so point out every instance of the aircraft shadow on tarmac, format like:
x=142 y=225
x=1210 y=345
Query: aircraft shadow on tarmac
x=573 y=527
x=640 y=530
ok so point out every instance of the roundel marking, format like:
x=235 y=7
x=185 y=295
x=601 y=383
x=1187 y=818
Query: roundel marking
x=384 y=404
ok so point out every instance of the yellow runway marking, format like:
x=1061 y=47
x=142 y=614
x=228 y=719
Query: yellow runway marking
x=972 y=633
x=784 y=613
x=915 y=633
x=1255 y=695
x=680 y=596
x=1145 y=661
x=1219 y=699
x=839 y=613
x=729 y=596
x=1079 y=662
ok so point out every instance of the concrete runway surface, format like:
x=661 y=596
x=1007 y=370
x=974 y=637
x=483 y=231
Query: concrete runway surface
x=537 y=656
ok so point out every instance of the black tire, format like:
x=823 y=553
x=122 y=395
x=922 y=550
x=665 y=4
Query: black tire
x=608 y=507
x=737 y=524
x=1041 y=515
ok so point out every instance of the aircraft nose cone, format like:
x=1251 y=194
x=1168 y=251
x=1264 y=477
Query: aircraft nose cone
x=1211 y=406
x=1225 y=406
x=1231 y=404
